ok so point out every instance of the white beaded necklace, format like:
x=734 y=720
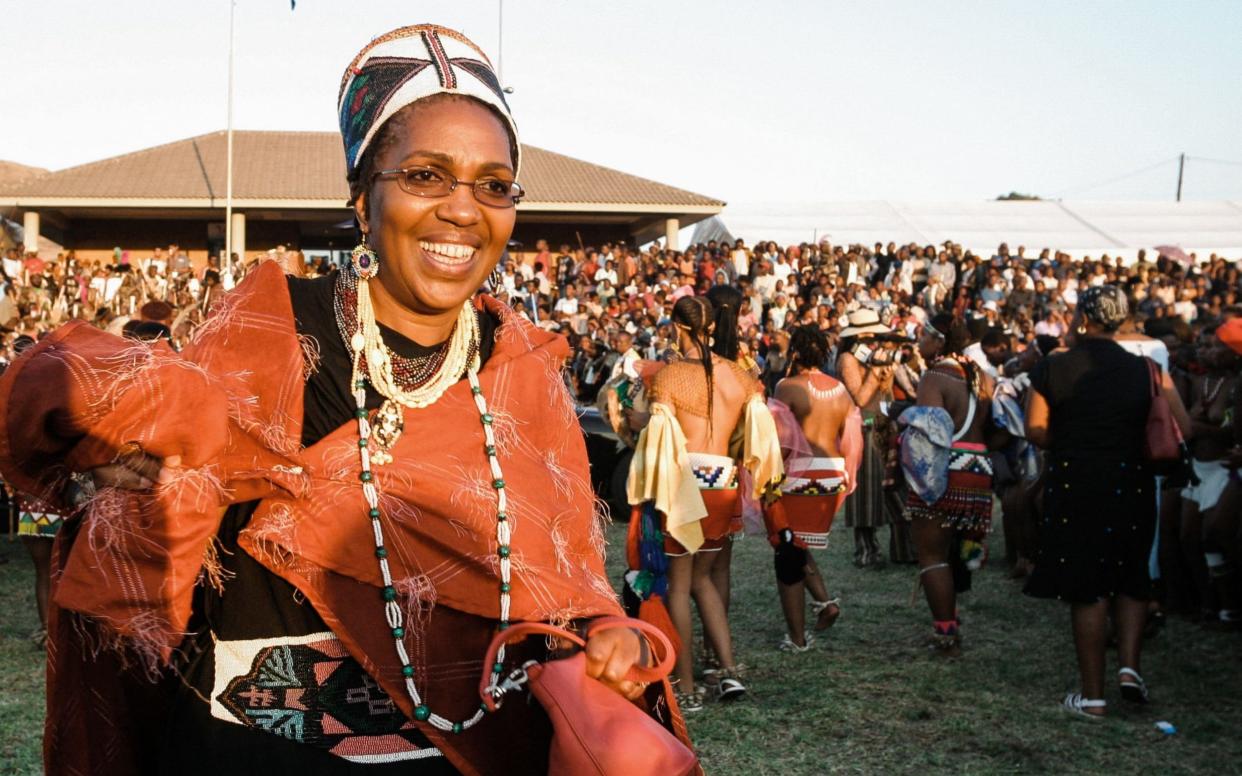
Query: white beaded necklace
x=368 y=339
x=462 y=350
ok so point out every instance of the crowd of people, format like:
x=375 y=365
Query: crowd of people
x=243 y=496
x=907 y=331
x=824 y=330
x=159 y=294
x=303 y=517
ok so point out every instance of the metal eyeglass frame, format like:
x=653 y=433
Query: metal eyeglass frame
x=453 y=182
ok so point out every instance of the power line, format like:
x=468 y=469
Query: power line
x=1213 y=161
x=1118 y=178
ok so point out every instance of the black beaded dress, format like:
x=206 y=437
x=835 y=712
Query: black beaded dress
x=1099 y=518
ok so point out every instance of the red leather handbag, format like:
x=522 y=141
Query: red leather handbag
x=595 y=730
x=1163 y=440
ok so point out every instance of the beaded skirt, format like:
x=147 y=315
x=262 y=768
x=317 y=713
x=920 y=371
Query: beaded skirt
x=716 y=476
x=967 y=503
x=812 y=496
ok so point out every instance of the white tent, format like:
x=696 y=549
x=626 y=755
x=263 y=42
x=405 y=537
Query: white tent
x=1078 y=228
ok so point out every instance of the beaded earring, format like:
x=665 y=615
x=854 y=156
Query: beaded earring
x=495 y=279
x=364 y=260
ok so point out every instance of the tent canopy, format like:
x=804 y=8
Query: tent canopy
x=1078 y=228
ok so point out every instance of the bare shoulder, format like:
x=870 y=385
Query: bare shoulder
x=790 y=388
x=944 y=374
x=746 y=382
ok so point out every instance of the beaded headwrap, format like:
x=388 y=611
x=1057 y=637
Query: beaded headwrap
x=1105 y=306
x=404 y=66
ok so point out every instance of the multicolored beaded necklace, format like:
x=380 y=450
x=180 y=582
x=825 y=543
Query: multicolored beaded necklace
x=365 y=264
x=409 y=372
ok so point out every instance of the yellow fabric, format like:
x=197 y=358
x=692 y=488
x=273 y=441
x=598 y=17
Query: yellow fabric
x=761 y=447
x=660 y=472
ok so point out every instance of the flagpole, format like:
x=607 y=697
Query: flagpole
x=227 y=264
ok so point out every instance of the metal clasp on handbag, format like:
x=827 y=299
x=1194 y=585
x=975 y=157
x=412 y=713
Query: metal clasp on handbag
x=515 y=681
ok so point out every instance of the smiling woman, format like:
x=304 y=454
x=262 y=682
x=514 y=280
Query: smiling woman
x=445 y=237
x=321 y=549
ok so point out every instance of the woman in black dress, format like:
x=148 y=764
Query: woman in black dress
x=1088 y=409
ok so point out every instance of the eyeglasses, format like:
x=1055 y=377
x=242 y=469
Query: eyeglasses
x=432 y=182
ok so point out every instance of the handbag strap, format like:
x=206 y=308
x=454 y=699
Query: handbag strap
x=662 y=649
x=1153 y=371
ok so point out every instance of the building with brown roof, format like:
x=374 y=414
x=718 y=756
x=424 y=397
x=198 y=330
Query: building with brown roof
x=289 y=188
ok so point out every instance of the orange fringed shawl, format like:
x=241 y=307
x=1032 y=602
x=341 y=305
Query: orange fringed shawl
x=231 y=406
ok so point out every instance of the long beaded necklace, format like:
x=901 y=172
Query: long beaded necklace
x=366 y=339
x=1209 y=396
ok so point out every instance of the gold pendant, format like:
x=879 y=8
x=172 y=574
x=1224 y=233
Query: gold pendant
x=386 y=429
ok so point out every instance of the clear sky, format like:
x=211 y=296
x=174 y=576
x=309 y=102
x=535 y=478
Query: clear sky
x=772 y=101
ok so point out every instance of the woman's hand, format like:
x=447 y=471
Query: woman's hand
x=610 y=654
x=134 y=470
x=884 y=375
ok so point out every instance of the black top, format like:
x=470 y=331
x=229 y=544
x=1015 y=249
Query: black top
x=278 y=737
x=328 y=401
x=1099 y=396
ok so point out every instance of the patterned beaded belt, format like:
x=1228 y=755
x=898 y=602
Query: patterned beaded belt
x=308 y=689
x=714 y=472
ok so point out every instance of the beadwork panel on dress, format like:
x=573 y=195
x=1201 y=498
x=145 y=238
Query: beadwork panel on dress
x=309 y=690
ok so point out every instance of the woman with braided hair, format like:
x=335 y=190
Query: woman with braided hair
x=708 y=418
x=726 y=301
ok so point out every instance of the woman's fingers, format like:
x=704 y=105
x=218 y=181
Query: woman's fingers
x=171 y=464
x=598 y=652
x=611 y=654
x=115 y=475
x=140 y=463
x=631 y=690
x=134 y=470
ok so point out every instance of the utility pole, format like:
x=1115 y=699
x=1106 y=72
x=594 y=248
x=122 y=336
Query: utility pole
x=227 y=263
x=1181 y=166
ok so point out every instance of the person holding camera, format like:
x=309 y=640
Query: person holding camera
x=865 y=365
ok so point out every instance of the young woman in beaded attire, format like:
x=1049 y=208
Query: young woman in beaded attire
x=1212 y=437
x=726 y=301
x=817 y=480
x=312 y=521
x=957 y=391
x=708 y=419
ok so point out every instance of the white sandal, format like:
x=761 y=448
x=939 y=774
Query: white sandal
x=787 y=644
x=825 y=621
x=1134 y=689
x=1077 y=705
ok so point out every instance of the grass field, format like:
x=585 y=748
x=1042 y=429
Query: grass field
x=866 y=699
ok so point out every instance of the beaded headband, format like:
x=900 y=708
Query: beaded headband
x=407 y=65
